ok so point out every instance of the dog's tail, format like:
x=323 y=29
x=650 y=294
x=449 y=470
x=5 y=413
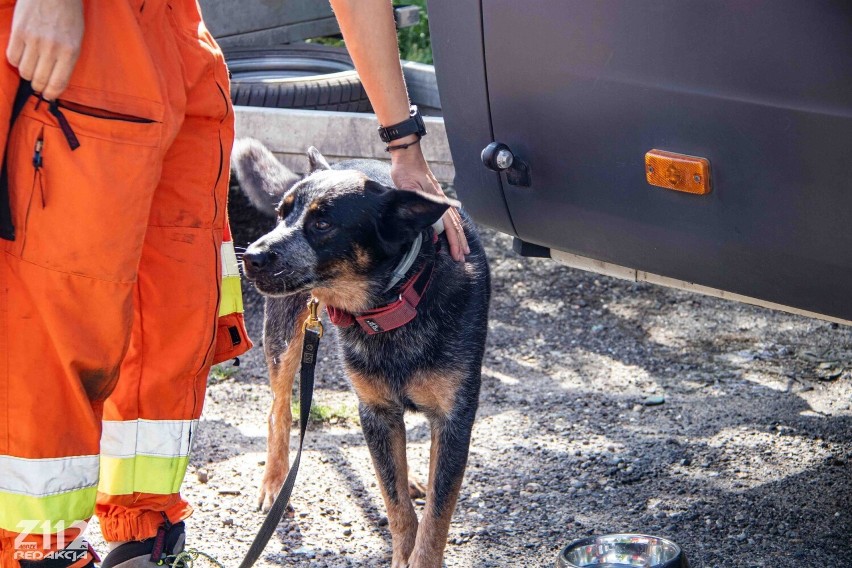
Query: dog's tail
x=262 y=177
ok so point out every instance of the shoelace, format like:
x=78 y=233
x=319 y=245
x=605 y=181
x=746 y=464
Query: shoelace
x=187 y=558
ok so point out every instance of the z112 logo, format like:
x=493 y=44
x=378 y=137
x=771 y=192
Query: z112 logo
x=53 y=541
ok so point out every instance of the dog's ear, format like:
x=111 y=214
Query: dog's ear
x=261 y=176
x=405 y=213
x=317 y=160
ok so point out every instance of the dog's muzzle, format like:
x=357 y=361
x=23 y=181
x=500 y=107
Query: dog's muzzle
x=256 y=262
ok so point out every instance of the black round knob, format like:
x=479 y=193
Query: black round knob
x=497 y=157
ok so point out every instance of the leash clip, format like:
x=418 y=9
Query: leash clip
x=312 y=322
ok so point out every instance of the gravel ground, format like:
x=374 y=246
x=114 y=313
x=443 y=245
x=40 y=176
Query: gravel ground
x=606 y=406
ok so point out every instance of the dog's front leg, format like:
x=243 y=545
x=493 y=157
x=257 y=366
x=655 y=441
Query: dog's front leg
x=447 y=462
x=384 y=431
x=283 y=350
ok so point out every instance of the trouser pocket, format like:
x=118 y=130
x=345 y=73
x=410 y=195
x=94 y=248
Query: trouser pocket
x=81 y=188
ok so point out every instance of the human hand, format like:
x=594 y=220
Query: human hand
x=409 y=170
x=45 y=43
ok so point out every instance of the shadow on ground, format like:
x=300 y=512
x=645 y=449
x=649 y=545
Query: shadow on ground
x=745 y=460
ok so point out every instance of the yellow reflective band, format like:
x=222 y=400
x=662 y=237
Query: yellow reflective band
x=232 y=296
x=142 y=474
x=69 y=507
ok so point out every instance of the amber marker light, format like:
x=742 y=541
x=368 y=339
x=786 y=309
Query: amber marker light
x=679 y=172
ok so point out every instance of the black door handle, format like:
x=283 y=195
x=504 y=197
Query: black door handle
x=498 y=157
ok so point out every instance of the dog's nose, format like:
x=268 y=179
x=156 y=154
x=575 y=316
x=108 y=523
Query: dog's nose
x=256 y=260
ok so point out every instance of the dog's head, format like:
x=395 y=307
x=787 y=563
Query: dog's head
x=335 y=228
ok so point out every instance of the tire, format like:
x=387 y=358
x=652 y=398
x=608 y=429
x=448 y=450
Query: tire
x=305 y=76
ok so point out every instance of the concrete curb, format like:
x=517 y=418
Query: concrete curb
x=338 y=135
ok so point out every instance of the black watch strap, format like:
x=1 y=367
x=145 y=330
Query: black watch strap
x=413 y=125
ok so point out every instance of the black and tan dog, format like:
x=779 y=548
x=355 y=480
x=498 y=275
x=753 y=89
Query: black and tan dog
x=412 y=322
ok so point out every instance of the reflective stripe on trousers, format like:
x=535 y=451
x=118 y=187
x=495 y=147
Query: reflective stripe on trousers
x=232 y=294
x=60 y=489
x=144 y=456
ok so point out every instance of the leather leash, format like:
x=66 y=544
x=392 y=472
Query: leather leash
x=313 y=332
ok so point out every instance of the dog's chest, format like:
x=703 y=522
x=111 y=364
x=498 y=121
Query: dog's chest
x=392 y=358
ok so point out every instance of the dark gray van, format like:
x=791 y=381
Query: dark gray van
x=759 y=94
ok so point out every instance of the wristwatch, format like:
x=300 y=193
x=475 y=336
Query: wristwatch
x=413 y=125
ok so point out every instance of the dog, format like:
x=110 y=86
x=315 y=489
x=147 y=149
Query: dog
x=368 y=252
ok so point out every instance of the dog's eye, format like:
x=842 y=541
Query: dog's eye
x=322 y=225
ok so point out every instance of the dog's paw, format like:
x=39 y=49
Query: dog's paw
x=269 y=490
x=416 y=490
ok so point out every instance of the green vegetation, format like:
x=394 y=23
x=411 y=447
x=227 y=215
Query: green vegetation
x=219 y=373
x=414 y=42
x=326 y=413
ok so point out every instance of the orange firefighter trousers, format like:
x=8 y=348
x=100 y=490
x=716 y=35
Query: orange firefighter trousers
x=109 y=293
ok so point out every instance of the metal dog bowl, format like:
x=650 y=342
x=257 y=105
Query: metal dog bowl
x=622 y=551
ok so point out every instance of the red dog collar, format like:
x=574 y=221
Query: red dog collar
x=393 y=315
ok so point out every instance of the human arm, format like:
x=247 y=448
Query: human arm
x=370 y=33
x=45 y=42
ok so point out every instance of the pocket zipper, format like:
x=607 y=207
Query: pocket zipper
x=38 y=161
x=101 y=113
x=64 y=125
